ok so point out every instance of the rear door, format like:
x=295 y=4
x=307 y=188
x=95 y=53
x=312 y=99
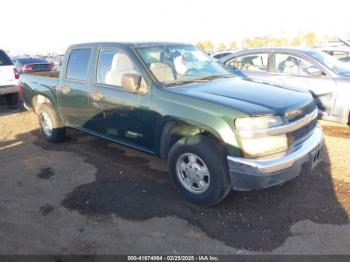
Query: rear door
x=72 y=91
x=7 y=75
x=295 y=71
x=253 y=66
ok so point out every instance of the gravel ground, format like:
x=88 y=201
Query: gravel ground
x=89 y=196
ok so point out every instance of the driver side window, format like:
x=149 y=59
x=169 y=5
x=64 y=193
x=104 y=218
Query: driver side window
x=113 y=66
x=293 y=65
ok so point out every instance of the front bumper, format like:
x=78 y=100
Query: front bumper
x=4 y=90
x=249 y=174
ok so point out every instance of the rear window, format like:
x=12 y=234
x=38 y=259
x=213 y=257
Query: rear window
x=27 y=61
x=4 y=59
x=219 y=56
x=78 y=64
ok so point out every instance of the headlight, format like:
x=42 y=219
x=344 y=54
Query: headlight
x=253 y=147
x=253 y=140
x=247 y=126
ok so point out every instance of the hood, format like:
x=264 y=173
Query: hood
x=248 y=97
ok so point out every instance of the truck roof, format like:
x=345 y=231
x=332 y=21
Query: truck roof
x=127 y=44
x=286 y=49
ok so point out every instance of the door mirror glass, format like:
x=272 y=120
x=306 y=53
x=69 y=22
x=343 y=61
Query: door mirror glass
x=131 y=82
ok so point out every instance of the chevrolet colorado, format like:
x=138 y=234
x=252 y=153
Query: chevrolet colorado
x=216 y=132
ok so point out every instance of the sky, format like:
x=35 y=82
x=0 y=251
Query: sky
x=44 y=26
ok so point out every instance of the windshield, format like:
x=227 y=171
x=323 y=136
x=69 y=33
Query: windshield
x=180 y=64
x=332 y=63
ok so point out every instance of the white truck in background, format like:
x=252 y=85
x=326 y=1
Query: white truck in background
x=8 y=80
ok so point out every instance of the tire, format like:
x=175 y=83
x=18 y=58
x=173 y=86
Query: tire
x=49 y=125
x=206 y=152
x=12 y=100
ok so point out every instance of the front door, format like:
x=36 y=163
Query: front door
x=120 y=114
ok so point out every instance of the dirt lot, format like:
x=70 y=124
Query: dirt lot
x=88 y=196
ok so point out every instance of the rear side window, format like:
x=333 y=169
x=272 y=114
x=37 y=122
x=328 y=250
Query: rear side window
x=251 y=62
x=78 y=64
x=4 y=59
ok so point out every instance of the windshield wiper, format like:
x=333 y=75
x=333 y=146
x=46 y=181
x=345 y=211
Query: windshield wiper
x=199 y=80
x=189 y=81
x=216 y=77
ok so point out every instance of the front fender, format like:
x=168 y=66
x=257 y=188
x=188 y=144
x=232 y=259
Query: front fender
x=216 y=119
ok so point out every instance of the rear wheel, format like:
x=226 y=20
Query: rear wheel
x=49 y=124
x=198 y=170
x=12 y=100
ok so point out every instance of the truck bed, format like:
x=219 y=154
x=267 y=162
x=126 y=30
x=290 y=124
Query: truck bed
x=39 y=83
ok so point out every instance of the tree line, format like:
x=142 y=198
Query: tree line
x=308 y=39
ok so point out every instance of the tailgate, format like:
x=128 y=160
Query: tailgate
x=7 y=76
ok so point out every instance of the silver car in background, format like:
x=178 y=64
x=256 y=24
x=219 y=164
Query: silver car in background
x=218 y=55
x=339 y=52
x=325 y=77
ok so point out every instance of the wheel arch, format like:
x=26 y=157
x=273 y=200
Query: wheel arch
x=174 y=130
x=40 y=99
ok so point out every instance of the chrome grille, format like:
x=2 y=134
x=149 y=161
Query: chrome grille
x=301 y=133
x=304 y=111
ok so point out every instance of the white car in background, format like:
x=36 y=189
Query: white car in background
x=8 y=80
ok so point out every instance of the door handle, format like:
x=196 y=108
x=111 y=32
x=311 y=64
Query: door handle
x=65 y=90
x=96 y=96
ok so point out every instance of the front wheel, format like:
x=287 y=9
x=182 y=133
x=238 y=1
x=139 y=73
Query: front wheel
x=49 y=124
x=198 y=170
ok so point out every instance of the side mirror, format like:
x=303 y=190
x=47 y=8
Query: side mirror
x=131 y=82
x=319 y=73
x=314 y=71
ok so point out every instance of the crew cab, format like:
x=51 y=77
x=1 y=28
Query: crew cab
x=216 y=131
x=8 y=80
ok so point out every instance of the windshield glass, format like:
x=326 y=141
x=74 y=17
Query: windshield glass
x=332 y=63
x=180 y=64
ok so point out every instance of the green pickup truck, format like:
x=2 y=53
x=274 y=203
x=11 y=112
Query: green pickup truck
x=217 y=132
